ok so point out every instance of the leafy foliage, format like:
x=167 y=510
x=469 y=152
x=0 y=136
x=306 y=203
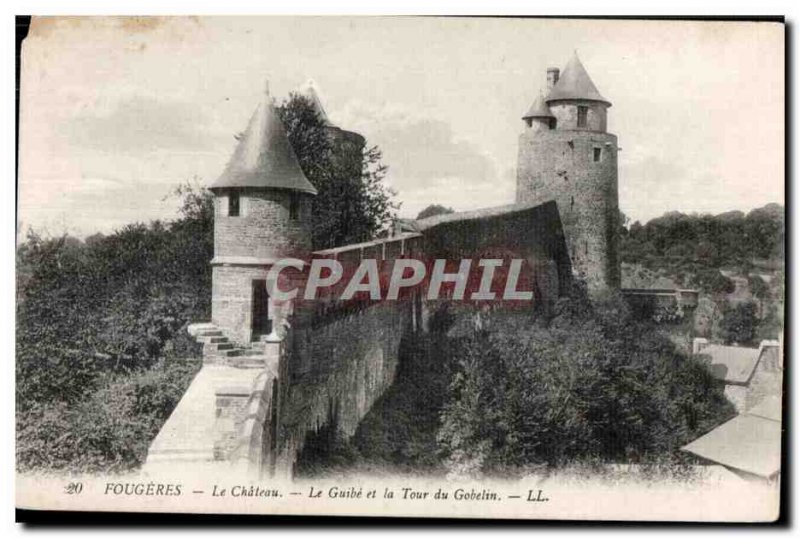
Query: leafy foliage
x=352 y=204
x=433 y=210
x=591 y=385
x=596 y=386
x=100 y=325
x=692 y=251
x=110 y=428
x=688 y=243
x=759 y=288
x=739 y=323
x=713 y=282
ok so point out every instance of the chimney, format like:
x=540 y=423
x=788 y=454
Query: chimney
x=552 y=77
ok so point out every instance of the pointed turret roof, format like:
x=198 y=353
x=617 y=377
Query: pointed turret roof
x=264 y=157
x=538 y=109
x=310 y=91
x=575 y=83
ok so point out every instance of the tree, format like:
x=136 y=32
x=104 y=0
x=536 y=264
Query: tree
x=353 y=204
x=595 y=385
x=100 y=314
x=739 y=323
x=433 y=210
x=713 y=282
x=693 y=243
x=758 y=287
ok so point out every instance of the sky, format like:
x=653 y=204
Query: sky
x=115 y=113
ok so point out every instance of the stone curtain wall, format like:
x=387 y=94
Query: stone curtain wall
x=532 y=233
x=339 y=369
x=332 y=376
x=342 y=356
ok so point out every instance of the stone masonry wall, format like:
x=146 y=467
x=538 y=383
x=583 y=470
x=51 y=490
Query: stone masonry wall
x=231 y=299
x=566 y=113
x=345 y=355
x=337 y=370
x=559 y=166
x=533 y=234
x=767 y=379
x=230 y=405
x=263 y=229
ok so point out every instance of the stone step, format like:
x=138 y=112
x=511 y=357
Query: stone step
x=214 y=339
x=246 y=362
x=195 y=328
x=221 y=346
x=264 y=338
x=208 y=332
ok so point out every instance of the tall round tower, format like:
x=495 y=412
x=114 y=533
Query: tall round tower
x=347 y=145
x=566 y=155
x=262 y=213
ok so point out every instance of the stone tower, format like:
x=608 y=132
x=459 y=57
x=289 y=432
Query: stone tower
x=566 y=155
x=262 y=213
x=347 y=145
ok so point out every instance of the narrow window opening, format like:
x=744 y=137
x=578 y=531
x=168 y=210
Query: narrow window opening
x=294 y=208
x=233 y=204
x=553 y=123
x=583 y=111
x=598 y=154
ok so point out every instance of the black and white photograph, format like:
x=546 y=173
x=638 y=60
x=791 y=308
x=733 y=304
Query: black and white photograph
x=496 y=268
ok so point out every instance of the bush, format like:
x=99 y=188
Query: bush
x=95 y=321
x=739 y=323
x=758 y=287
x=591 y=387
x=110 y=430
x=713 y=282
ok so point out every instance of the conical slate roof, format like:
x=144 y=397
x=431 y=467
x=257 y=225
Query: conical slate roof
x=538 y=109
x=575 y=83
x=264 y=158
x=309 y=90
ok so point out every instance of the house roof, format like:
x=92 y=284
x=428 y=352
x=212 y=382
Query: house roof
x=732 y=364
x=538 y=109
x=309 y=90
x=575 y=83
x=264 y=157
x=747 y=442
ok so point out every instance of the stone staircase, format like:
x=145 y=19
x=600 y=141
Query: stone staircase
x=219 y=349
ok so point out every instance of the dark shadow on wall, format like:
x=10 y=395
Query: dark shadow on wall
x=325 y=448
x=398 y=435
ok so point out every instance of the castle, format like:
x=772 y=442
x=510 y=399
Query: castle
x=275 y=371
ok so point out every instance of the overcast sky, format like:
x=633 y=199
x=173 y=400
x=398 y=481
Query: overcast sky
x=115 y=113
